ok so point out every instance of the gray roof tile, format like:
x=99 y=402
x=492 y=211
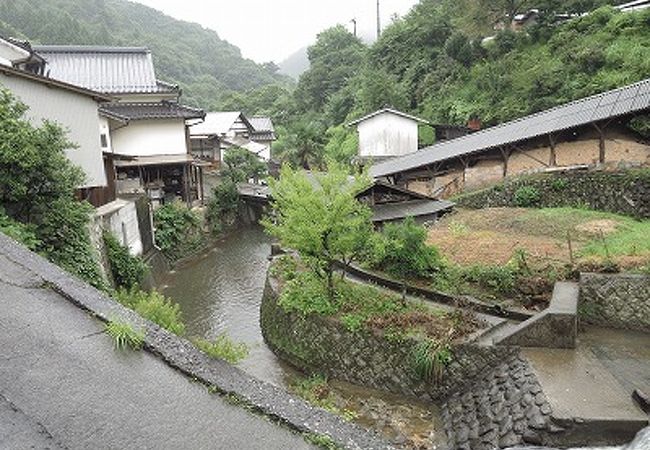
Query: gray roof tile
x=114 y=70
x=144 y=111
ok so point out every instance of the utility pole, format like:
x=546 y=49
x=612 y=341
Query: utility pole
x=378 y=21
x=354 y=24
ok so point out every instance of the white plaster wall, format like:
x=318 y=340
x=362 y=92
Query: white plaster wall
x=75 y=112
x=387 y=135
x=150 y=137
x=121 y=218
x=104 y=128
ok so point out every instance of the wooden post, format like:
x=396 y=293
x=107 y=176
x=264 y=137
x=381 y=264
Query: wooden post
x=601 y=142
x=505 y=153
x=553 y=157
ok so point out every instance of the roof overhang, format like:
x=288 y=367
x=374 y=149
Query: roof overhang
x=158 y=160
x=97 y=96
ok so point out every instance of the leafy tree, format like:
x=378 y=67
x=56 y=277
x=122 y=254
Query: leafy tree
x=242 y=165
x=222 y=207
x=318 y=216
x=342 y=145
x=302 y=143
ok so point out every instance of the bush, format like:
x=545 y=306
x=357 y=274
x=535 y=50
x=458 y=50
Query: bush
x=25 y=234
x=124 y=335
x=127 y=270
x=403 y=252
x=153 y=306
x=223 y=348
x=65 y=239
x=526 y=197
x=223 y=207
x=178 y=230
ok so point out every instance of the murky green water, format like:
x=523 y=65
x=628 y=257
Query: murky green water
x=221 y=290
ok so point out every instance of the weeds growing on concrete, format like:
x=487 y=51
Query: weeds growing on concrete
x=125 y=335
x=316 y=391
x=153 y=306
x=429 y=359
x=223 y=347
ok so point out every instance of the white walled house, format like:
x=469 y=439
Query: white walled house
x=387 y=133
x=147 y=138
x=76 y=110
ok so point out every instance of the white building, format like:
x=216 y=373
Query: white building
x=387 y=133
x=144 y=130
x=74 y=108
x=222 y=130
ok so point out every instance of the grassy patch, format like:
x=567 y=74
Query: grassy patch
x=153 y=306
x=362 y=307
x=223 y=347
x=124 y=335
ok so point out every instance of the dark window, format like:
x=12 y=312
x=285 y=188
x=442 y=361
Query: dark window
x=103 y=139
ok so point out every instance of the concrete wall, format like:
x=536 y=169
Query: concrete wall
x=150 y=137
x=75 y=112
x=387 y=134
x=617 y=300
x=121 y=218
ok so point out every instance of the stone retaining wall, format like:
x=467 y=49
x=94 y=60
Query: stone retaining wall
x=322 y=344
x=624 y=192
x=502 y=408
x=616 y=300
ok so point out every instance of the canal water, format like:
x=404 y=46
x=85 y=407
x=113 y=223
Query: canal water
x=220 y=292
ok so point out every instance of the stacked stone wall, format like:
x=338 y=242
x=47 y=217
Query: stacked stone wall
x=322 y=344
x=623 y=192
x=616 y=300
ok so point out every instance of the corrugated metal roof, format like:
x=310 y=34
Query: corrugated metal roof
x=412 y=208
x=143 y=111
x=115 y=70
x=216 y=123
x=617 y=102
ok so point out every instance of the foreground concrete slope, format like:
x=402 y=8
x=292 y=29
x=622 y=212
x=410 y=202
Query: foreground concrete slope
x=62 y=385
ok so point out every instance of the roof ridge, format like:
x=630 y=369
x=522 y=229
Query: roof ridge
x=88 y=49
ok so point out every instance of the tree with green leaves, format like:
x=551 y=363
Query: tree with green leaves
x=319 y=216
x=242 y=165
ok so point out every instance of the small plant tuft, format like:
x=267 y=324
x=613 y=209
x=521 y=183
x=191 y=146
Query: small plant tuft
x=153 y=306
x=429 y=359
x=223 y=347
x=527 y=196
x=125 y=335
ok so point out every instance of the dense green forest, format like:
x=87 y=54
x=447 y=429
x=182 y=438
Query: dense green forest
x=206 y=66
x=433 y=63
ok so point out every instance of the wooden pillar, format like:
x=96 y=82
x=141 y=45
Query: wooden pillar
x=505 y=153
x=553 y=157
x=201 y=185
x=601 y=142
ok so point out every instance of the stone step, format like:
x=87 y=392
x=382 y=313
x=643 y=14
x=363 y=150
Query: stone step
x=586 y=399
x=495 y=333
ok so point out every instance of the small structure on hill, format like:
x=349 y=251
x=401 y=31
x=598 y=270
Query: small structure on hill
x=387 y=133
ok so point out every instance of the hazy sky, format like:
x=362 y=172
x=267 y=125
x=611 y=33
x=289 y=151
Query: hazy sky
x=271 y=30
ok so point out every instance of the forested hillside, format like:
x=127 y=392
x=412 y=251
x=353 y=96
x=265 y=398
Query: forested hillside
x=433 y=63
x=206 y=66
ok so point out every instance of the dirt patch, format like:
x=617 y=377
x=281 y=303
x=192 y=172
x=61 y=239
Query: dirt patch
x=596 y=227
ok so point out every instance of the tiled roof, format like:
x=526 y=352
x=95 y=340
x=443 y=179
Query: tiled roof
x=143 y=111
x=216 y=123
x=114 y=70
x=263 y=128
x=618 y=102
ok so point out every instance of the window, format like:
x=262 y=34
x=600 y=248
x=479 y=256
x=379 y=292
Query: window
x=103 y=139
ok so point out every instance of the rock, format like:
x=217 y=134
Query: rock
x=532 y=437
x=509 y=440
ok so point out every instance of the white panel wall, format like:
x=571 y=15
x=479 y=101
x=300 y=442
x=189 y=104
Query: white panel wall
x=121 y=218
x=387 y=135
x=150 y=138
x=75 y=112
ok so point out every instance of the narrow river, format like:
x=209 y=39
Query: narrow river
x=221 y=290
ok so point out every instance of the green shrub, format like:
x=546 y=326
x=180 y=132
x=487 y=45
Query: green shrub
x=429 y=359
x=307 y=294
x=124 y=335
x=223 y=347
x=223 y=207
x=403 y=251
x=178 y=230
x=500 y=279
x=153 y=306
x=127 y=270
x=526 y=196
x=25 y=234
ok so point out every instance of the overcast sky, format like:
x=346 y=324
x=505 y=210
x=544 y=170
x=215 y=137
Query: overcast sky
x=271 y=30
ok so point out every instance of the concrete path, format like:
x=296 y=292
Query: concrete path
x=62 y=385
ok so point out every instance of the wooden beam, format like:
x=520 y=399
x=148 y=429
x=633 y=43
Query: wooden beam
x=553 y=157
x=601 y=141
